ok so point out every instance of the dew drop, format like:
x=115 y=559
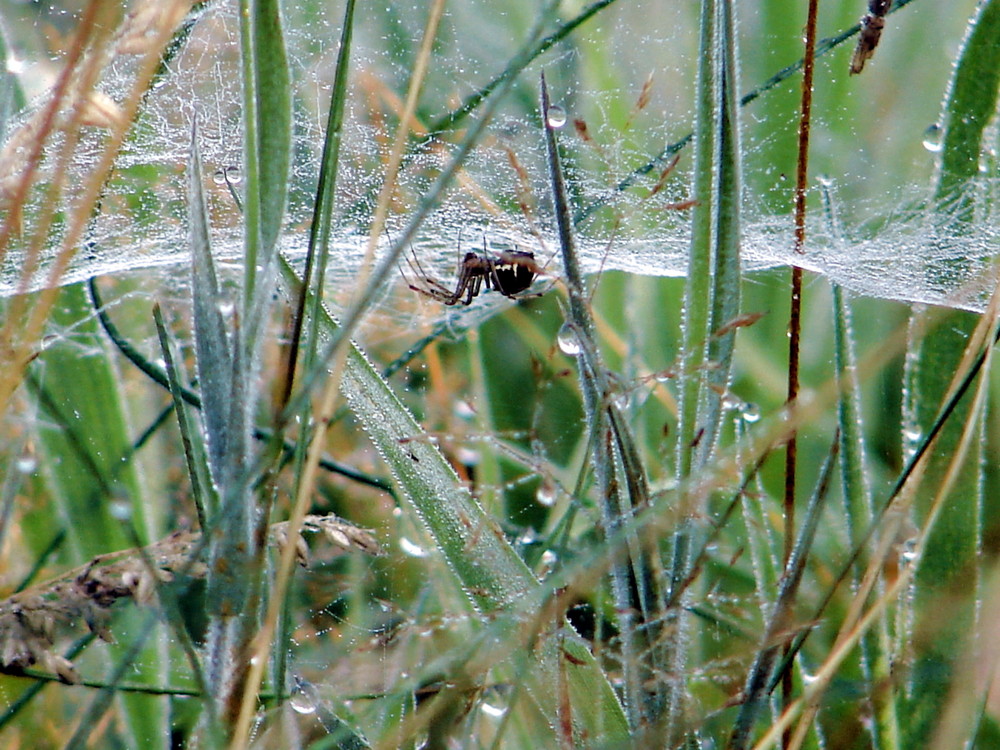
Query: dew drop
x=530 y=536
x=555 y=116
x=468 y=456
x=303 y=699
x=750 y=413
x=464 y=410
x=546 y=494
x=412 y=548
x=932 y=138
x=234 y=175
x=730 y=402
x=908 y=551
x=492 y=711
x=568 y=341
x=219 y=177
x=121 y=510
x=27 y=463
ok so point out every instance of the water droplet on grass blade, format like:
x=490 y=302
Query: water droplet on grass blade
x=555 y=116
x=411 y=548
x=932 y=138
x=121 y=510
x=568 y=341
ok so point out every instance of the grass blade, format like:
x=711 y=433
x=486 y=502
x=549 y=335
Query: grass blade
x=950 y=562
x=87 y=474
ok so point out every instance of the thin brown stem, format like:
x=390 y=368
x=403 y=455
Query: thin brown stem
x=795 y=313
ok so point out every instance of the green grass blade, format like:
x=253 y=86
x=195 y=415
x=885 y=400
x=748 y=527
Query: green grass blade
x=620 y=478
x=213 y=352
x=267 y=125
x=321 y=228
x=971 y=105
x=875 y=660
x=950 y=560
x=712 y=291
x=84 y=463
x=876 y=649
x=725 y=206
x=762 y=679
x=199 y=472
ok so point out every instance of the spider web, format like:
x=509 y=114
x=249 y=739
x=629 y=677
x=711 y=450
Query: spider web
x=887 y=248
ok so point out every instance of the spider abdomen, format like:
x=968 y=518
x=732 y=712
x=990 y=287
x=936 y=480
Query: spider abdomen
x=513 y=272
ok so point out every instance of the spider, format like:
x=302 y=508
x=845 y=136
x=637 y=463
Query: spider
x=509 y=272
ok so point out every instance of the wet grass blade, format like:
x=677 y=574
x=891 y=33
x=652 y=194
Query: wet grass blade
x=86 y=473
x=950 y=562
x=712 y=291
x=212 y=348
x=762 y=679
x=616 y=462
x=267 y=124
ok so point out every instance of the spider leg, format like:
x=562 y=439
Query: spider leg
x=422 y=275
x=431 y=286
x=475 y=284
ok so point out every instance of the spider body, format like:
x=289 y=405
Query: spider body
x=509 y=272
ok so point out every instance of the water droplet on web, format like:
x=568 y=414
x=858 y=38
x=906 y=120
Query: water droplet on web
x=730 y=402
x=303 y=699
x=411 y=548
x=556 y=116
x=235 y=175
x=219 y=177
x=27 y=463
x=622 y=400
x=568 y=341
x=546 y=494
x=932 y=138
x=750 y=412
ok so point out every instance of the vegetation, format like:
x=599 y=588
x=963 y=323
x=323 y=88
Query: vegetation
x=295 y=456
